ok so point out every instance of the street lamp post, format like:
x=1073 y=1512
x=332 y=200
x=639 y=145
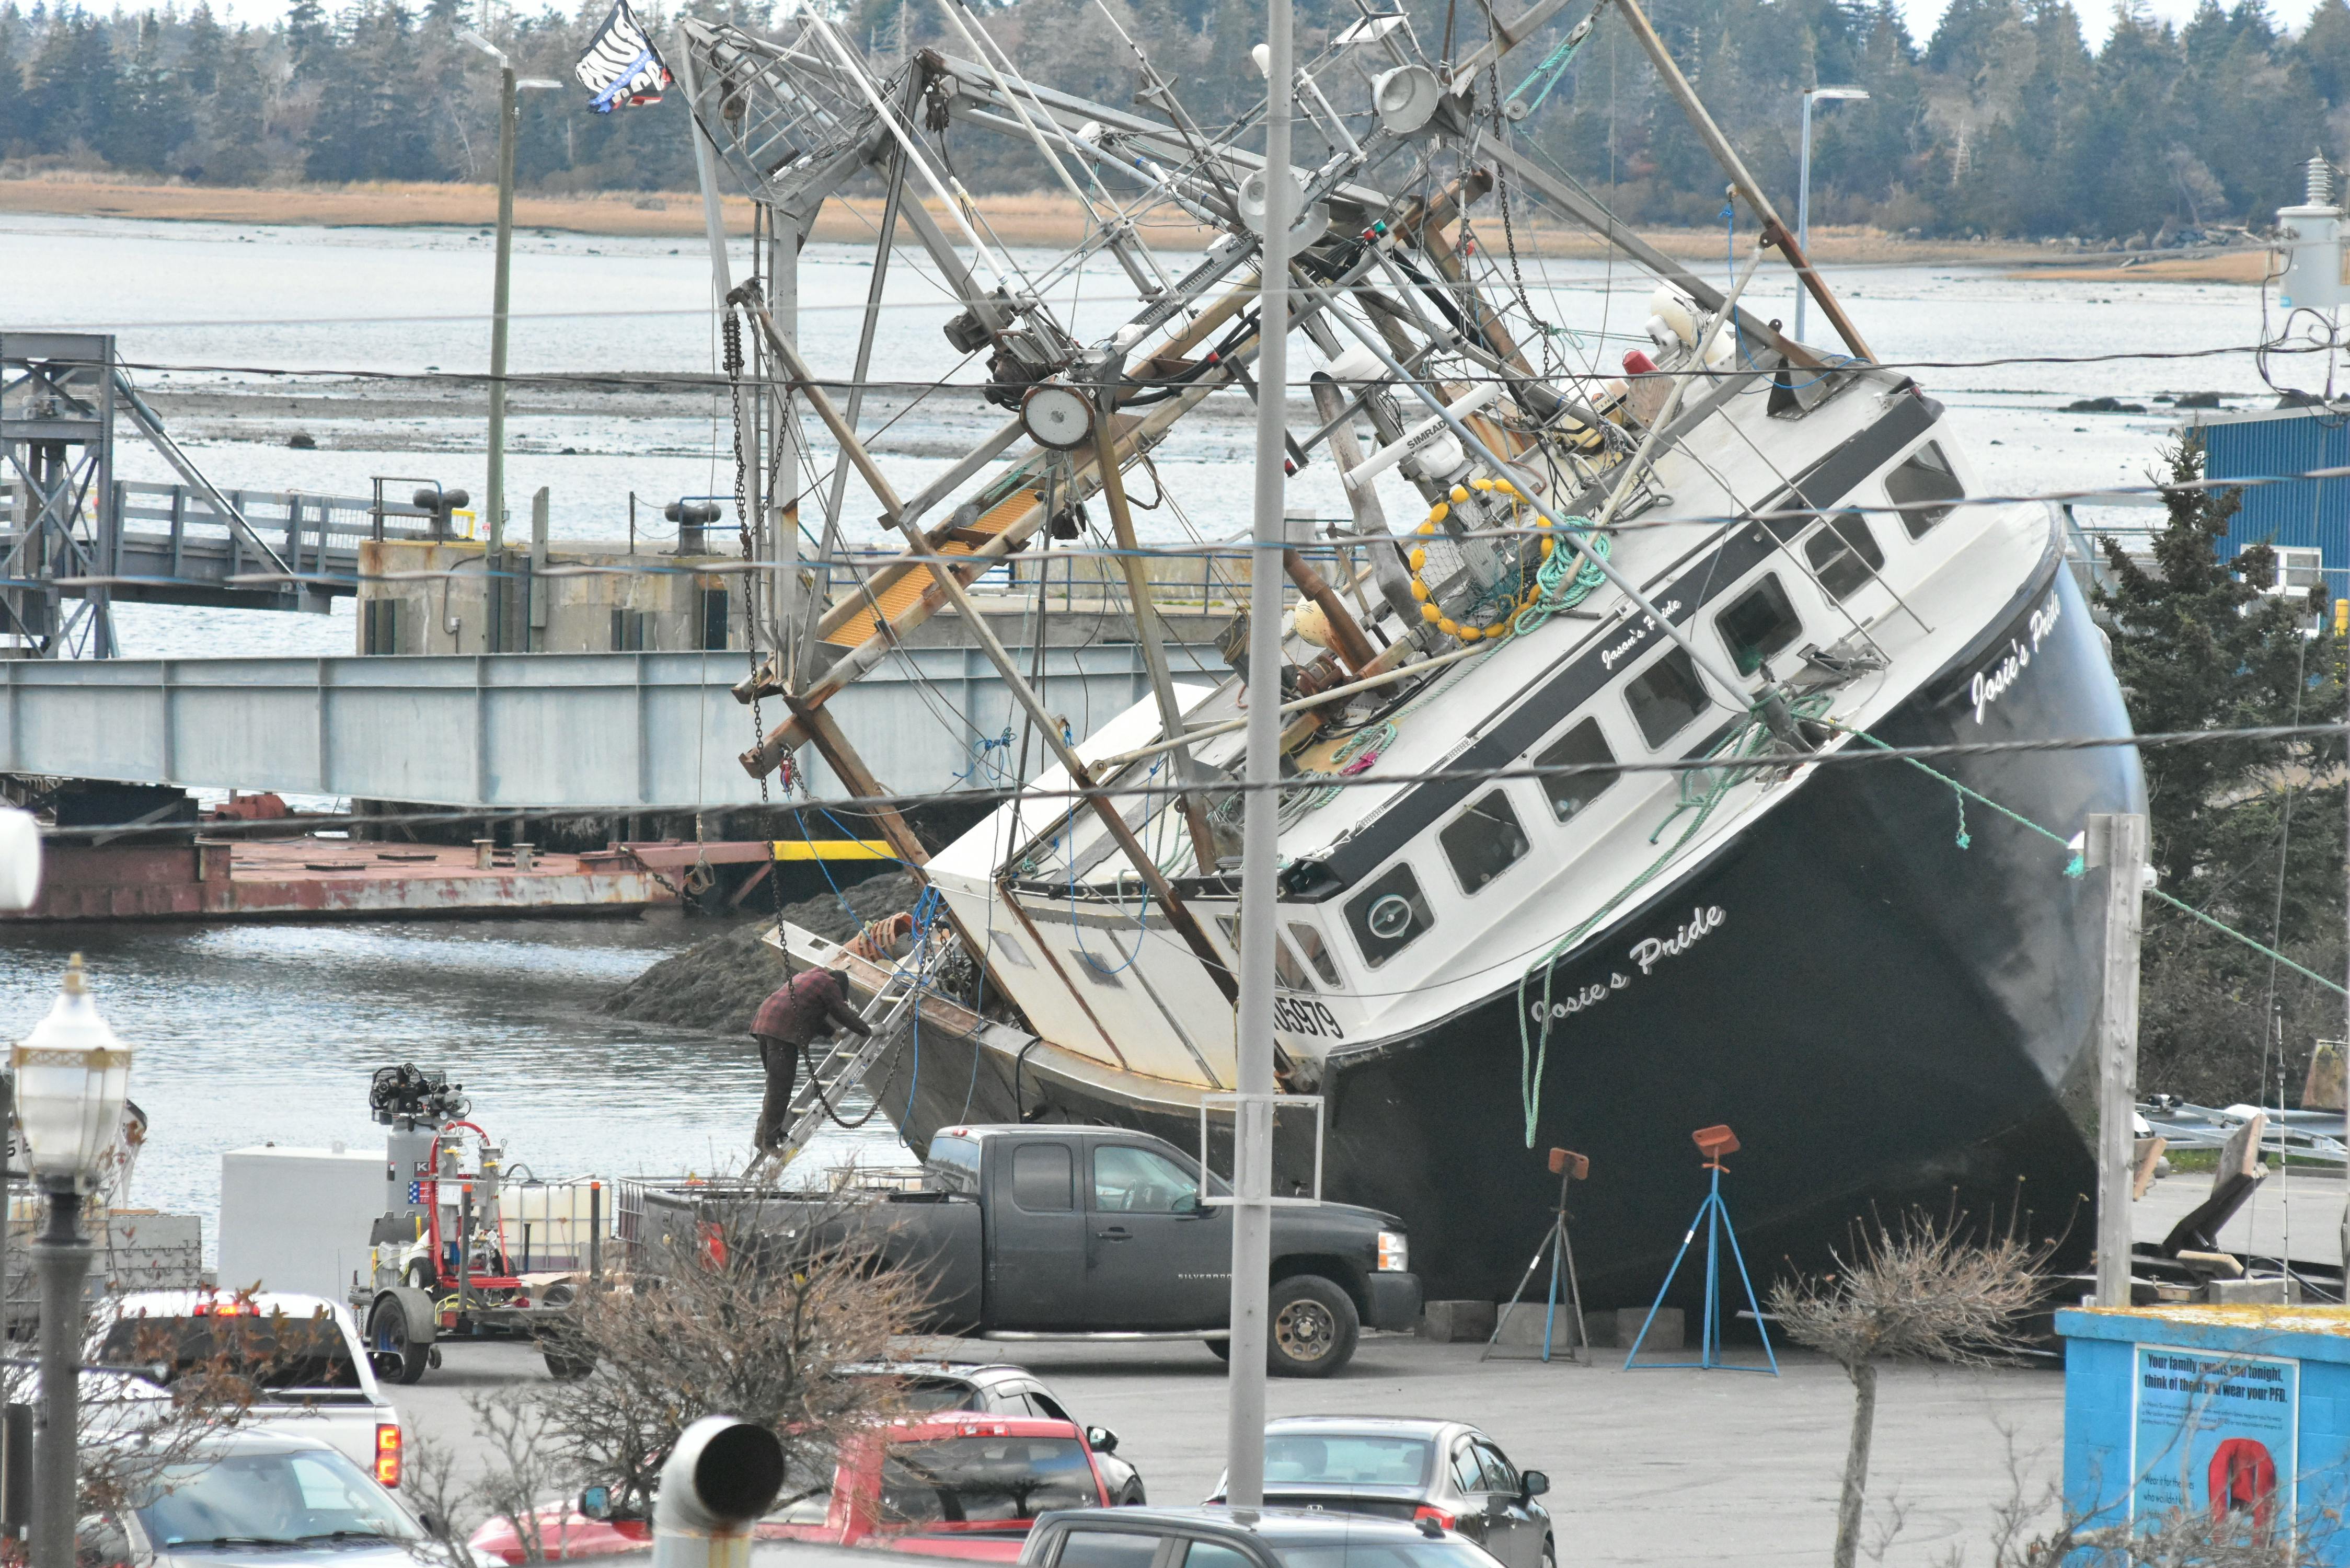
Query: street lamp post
x=1803 y=186
x=72 y=1076
x=510 y=87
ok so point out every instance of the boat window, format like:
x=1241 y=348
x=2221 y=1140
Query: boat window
x=1040 y=1178
x=1387 y=916
x=1924 y=489
x=1287 y=972
x=1317 y=952
x=1483 y=841
x=1001 y=945
x=1842 y=553
x=1758 y=624
x=1583 y=746
x=1665 y=696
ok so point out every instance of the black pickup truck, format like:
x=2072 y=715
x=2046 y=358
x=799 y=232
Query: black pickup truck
x=1066 y=1232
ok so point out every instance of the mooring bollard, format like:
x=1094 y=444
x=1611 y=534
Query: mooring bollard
x=525 y=854
x=483 y=848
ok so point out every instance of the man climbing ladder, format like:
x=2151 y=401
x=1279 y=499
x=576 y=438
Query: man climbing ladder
x=811 y=1004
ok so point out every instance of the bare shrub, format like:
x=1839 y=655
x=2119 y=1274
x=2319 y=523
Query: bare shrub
x=755 y=1313
x=1918 y=1289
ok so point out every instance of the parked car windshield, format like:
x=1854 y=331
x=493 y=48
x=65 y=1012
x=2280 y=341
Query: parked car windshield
x=985 y=1479
x=275 y=1498
x=1345 y=1459
x=274 y=1351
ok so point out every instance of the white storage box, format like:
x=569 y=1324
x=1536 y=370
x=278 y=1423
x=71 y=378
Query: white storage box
x=297 y=1219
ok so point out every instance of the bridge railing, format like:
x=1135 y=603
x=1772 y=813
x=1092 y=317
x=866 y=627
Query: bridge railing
x=173 y=531
x=314 y=534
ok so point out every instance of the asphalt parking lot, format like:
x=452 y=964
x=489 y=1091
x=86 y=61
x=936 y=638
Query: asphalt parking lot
x=1662 y=1466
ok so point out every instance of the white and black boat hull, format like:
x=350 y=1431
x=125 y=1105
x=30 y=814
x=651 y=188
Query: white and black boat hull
x=1885 y=1018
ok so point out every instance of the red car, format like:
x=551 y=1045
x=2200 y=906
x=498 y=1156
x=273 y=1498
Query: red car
x=954 y=1483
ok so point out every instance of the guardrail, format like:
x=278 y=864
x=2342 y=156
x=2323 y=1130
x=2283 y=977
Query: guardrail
x=173 y=545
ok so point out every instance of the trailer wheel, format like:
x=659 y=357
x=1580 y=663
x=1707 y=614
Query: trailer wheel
x=1313 y=1327
x=563 y=1364
x=388 y=1335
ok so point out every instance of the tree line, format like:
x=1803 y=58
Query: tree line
x=2004 y=122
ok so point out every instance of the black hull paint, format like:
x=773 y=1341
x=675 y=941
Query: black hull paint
x=1883 y=1017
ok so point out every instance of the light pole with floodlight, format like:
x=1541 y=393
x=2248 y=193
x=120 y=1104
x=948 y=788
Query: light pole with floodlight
x=72 y=1076
x=509 y=88
x=1803 y=186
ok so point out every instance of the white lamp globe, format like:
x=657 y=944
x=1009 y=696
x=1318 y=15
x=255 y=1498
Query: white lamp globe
x=72 y=1076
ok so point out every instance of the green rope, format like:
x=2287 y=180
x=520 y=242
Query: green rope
x=2075 y=866
x=1701 y=789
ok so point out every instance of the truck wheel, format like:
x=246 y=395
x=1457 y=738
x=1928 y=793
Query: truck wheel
x=1314 y=1328
x=388 y=1334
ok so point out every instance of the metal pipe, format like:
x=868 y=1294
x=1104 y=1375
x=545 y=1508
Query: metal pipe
x=62 y=1257
x=1261 y=828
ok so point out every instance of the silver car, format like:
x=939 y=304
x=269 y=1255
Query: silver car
x=262 y=1500
x=1447 y=1474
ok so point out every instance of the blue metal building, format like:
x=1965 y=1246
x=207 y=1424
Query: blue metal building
x=2301 y=514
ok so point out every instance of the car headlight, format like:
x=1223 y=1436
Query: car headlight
x=1395 y=1253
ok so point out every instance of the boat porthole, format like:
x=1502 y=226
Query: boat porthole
x=1390 y=917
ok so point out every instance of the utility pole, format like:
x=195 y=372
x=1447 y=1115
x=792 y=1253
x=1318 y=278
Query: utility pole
x=1261 y=827
x=510 y=87
x=2116 y=841
x=1803 y=186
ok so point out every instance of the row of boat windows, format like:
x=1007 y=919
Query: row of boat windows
x=1485 y=840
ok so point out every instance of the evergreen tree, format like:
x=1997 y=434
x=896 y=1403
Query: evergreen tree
x=71 y=100
x=2238 y=829
x=15 y=130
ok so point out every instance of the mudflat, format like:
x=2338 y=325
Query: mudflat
x=1038 y=219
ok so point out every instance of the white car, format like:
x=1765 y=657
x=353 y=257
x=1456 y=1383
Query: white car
x=303 y=1351
x=271 y=1499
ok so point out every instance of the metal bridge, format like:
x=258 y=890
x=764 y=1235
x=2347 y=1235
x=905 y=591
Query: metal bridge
x=74 y=539
x=621 y=732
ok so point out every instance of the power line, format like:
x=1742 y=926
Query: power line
x=704 y=380
x=1202 y=550
x=1760 y=764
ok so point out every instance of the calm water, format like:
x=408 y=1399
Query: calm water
x=248 y=1035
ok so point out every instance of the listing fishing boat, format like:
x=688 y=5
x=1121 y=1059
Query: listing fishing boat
x=1587 y=837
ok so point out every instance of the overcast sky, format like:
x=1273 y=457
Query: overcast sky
x=2097 y=15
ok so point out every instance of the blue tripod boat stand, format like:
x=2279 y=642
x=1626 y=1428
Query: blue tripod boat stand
x=1569 y=1167
x=1715 y=1143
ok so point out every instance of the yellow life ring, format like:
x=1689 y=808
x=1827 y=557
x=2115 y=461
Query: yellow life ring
x=1417 y=561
